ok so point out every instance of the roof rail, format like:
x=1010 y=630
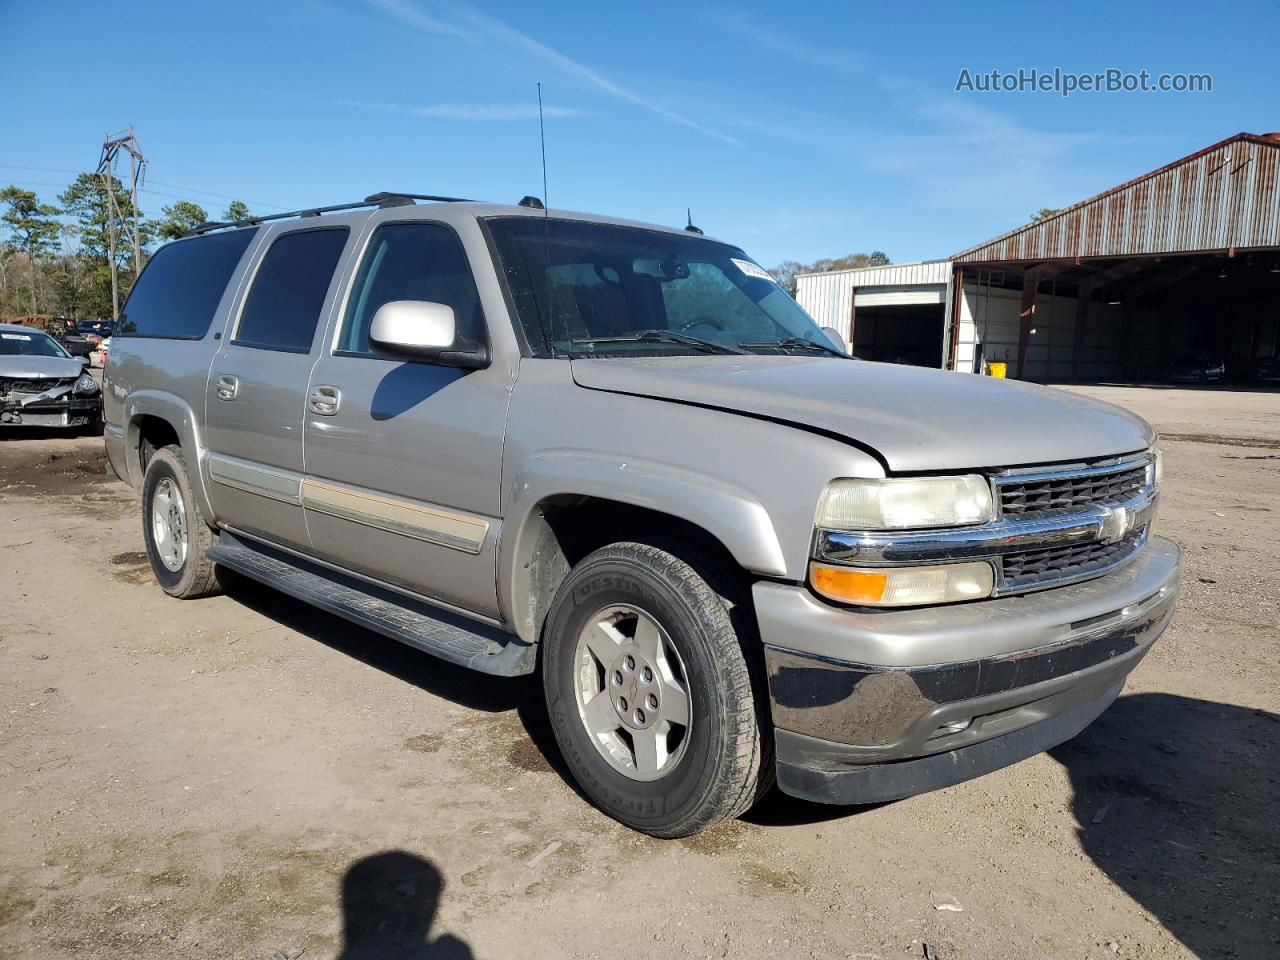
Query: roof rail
x=383 y=199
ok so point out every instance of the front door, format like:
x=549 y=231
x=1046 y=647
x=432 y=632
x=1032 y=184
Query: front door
x=257 y=387
x=404 y=459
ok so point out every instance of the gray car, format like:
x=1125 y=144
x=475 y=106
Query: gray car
x=620 y=456
x=42 y=385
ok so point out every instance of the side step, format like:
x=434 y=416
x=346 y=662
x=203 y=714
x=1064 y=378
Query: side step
x=432 y=629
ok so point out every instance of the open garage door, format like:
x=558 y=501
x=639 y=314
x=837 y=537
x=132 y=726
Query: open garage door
x=899 y=333
x=1195 y=318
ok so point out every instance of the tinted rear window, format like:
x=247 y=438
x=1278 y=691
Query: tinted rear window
x=178 y=292
x=284 y=302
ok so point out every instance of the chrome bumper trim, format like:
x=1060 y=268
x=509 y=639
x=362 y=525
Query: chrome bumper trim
x=887 y=713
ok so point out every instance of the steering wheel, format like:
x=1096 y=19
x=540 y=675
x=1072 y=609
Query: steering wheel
x=703 y=322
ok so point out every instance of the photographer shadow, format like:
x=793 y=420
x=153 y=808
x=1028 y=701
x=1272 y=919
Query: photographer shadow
x=389 y=904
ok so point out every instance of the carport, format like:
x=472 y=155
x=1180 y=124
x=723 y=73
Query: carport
x=1184 y=260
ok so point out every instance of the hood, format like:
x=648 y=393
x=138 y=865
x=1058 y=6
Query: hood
x=39 y=368
x=914 y=418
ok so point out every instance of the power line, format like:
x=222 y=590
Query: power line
x=172 y=186
x=147 y=190
x=112 y=147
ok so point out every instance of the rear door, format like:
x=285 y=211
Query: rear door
x=258 y=383
x=404 y=459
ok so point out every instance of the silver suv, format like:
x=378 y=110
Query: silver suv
x=621 y=456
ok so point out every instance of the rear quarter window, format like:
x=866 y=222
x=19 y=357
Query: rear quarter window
x=178 y=292
x=283 y=306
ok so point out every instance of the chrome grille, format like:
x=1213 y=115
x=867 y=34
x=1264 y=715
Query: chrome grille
x=1047 y=493
x=1031 y=568
x=1057 y=525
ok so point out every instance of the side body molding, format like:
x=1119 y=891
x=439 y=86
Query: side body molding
x=729 y=513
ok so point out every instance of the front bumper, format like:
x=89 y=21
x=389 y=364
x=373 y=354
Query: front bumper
x=66 y=409
x=872 y=706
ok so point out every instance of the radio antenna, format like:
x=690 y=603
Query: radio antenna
x=542 y=136
x=544 y=310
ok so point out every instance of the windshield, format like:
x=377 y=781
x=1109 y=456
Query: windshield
x=33 y=344
x=590 y=289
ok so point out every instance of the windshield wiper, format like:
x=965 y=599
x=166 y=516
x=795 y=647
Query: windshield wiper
x=799 y=342
x=661 y=336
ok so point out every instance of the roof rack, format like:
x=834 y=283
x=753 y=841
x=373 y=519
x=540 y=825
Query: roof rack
x=383 y=199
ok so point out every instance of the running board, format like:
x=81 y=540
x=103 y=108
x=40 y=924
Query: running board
x=425 y=626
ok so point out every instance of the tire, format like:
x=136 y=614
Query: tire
x=720 y=762
x=186 y=572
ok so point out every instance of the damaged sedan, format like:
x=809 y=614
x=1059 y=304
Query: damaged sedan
x=42 y=385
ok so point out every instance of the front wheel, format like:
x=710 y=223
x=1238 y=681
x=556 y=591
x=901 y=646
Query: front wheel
x=654 y=688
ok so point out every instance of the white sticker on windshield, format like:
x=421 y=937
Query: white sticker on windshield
x=752 y=269
x=16 y=336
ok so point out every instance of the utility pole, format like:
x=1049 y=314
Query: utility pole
x=111 y=147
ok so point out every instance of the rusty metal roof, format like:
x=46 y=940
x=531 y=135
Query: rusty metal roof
x=1224 y=196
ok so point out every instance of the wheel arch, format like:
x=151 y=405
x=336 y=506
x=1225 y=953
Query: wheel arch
x=154 y=419
x=563 y=508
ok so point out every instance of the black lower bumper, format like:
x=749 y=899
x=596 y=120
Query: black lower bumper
x=883 y=782
x=60 y=412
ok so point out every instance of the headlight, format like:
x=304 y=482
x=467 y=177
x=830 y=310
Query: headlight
x=904 y=586
x=901 y=504
x=85 y=384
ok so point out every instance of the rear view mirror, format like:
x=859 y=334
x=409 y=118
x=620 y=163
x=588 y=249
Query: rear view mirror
x=665 y=269
x=420 y=330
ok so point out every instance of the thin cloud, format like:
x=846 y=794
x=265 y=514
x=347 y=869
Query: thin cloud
x=468 y=111
x=483 y=24
x=771 y=41
x=410 y=15
x=939 y=139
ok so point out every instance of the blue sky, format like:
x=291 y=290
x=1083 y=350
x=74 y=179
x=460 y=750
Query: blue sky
x=796 y=131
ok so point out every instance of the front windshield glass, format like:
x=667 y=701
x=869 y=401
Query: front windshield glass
x=591 y=289
x=33 y=344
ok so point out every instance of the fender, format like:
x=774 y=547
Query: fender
x=178 y=413
x=729 y=513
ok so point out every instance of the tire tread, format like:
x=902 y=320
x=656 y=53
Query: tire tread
x=200 y=579
x=743 y=769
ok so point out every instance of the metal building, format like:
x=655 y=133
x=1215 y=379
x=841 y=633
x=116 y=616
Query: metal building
x=1180 y=264
x=892 y=313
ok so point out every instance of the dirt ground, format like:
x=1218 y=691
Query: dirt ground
x=246 y=777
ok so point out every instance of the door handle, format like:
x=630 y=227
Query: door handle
x=227 y=387
x=324 y=401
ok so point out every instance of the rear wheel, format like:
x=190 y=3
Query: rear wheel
x=173 y=528
x=654 y=689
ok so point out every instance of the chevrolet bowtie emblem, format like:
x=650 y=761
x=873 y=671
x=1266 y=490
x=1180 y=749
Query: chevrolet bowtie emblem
x=1115 y=524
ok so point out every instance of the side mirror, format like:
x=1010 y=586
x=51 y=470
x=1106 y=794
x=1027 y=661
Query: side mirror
x=419 y=330
x=836 y=338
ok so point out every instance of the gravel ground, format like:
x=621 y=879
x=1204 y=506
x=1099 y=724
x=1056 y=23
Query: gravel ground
x=246 y=777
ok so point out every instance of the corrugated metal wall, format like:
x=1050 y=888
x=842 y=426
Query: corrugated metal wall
x=829 y=297
x=1225 y=196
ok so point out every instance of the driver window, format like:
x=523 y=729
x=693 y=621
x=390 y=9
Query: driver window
x=411 y=261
